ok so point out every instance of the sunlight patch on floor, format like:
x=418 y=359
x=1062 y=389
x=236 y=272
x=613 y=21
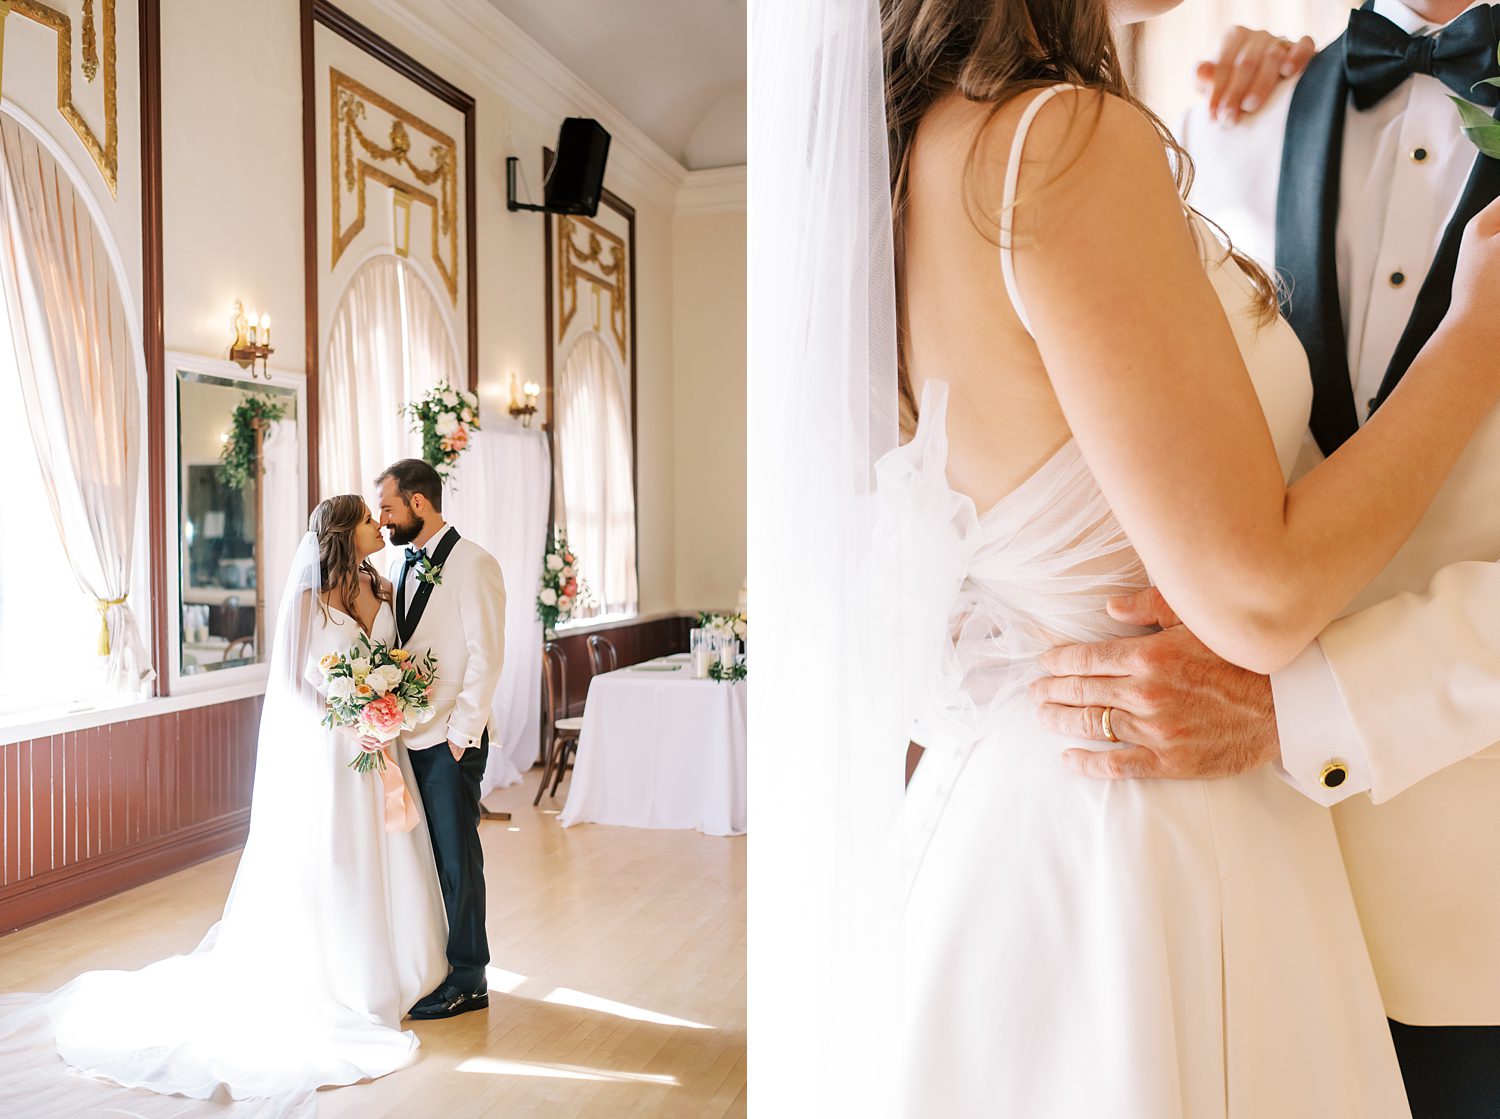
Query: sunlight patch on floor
x=566 y=996
x=506 y=982
x=561 y=1072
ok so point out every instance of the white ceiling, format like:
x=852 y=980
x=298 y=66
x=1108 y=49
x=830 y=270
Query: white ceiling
x=675 y=68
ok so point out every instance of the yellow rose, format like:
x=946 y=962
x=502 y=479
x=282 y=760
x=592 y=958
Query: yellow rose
x=400 y=655
x=328 y=663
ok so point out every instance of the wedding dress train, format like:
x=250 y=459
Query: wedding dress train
x=334 y=927
x=1140 y=949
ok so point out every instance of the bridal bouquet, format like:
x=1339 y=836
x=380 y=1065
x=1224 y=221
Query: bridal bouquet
x=559 y=592
x=444 y=416
x=379 y=692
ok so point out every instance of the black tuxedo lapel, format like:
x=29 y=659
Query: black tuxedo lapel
x=1307 y=211
x=1482 y=188
x=406 y=624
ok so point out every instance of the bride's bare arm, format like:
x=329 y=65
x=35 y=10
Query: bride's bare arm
x=1146 y=369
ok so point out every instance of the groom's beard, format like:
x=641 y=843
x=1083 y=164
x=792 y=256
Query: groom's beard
x=404 y=534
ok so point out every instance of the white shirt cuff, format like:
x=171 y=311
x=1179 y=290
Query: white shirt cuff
x=467 y=741
x=1317 y=733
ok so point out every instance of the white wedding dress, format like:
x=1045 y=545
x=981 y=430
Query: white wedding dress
x=334 y=927
x=1076 y=947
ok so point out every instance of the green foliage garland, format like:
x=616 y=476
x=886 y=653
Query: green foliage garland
x=237 y=459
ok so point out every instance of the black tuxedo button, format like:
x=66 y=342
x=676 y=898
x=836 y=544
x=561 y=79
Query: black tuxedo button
x=1397 y=279
x=1419 y=155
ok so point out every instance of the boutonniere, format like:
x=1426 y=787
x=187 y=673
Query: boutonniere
x=429 y=572
x=1482 y=129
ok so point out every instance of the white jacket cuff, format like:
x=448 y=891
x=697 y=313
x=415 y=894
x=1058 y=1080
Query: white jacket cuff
x=1316 y=730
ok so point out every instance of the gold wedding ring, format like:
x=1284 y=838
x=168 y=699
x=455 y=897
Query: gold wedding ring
x=1109 y=731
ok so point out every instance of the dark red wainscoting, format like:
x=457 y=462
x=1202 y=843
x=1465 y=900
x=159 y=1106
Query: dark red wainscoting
x=87 y=814
x=634 y=642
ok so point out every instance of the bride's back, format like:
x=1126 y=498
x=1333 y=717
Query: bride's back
x=961 y=327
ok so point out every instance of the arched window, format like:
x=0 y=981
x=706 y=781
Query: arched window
x=389 y=343
x=593 y=490
x=72 y=557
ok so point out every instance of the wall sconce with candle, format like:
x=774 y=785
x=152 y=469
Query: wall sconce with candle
x=252 y=340
x=532 y=391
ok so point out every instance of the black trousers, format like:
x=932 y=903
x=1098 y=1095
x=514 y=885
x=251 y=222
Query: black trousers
x=450 y=798
x=1451 y=1072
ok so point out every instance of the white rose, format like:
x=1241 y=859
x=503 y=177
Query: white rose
x=548 y=596
x=449 y=397
x=554 y=563
x=383 y=679
x=468 y=415
x=740 y=628
x=469 y=398
x=447 y=423
x=342 y=688
x=361 y=668
x=567 y=573
x=565 y=603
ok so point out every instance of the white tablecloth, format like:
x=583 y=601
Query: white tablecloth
x=661 y=750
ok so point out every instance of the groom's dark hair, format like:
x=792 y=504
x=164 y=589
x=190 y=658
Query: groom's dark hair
x=412 y=475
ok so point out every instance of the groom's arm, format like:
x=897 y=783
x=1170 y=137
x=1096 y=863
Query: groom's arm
x=484 y=634
x=1384 y=697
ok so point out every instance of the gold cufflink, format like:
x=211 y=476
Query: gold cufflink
x=1334 y=774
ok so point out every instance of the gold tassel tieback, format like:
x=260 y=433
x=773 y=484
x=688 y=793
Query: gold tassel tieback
x=104 y=604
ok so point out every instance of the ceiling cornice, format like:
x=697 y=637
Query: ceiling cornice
x=522 y=71
x=718 y=190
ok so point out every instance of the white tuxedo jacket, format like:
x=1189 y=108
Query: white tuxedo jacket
x=463 y=624
x=1405 y=687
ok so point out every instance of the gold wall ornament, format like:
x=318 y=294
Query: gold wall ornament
x=107 y=154
x=590 y=265
x=348 y=100
x=90 y=44
x=401 y=223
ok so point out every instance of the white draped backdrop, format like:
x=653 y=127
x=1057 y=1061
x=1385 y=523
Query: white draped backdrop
x=499 y=501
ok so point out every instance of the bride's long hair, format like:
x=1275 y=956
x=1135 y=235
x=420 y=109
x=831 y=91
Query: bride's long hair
x=333 y=522
x=993 y=51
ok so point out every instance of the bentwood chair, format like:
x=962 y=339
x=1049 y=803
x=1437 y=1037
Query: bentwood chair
x=563 y=735
x=602 y=655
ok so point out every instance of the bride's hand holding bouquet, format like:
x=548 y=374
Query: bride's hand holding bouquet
x=377 y=692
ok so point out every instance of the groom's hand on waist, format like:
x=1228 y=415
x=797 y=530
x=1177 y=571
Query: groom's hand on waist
x=1178 y=709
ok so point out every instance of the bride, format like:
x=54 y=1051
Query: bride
x=334 y=924
x=1085 y=362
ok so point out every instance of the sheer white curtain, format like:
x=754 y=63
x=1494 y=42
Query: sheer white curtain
x=283 y=492
x=501 y=505
x=388 y=345
x=595 y=494
x=80 y=373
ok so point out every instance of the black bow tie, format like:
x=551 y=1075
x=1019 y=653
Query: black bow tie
x=414 y=555
x=1379 y=56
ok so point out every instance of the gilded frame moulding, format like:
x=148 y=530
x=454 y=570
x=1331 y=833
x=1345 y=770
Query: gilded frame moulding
x=607 y=275
x=107 y=154
x=347 y=101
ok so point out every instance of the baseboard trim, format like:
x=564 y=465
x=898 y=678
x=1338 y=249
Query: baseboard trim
x=73 y=887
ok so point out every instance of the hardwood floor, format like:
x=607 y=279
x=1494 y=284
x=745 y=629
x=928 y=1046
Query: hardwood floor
x=617 y=979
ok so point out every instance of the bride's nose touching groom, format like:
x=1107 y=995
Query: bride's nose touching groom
x=1356 y=182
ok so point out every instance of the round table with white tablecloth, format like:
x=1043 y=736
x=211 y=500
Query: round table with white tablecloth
x=661 y=750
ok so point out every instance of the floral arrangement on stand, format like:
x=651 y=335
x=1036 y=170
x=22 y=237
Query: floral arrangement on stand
x=378 y=692
x=444 y=417
x=729 y=627
x=237 y=459
x=558 y=596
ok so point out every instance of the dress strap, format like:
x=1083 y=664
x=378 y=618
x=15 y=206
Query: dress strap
x=1008 y=198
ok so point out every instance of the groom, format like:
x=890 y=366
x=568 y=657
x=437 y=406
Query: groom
x=1359 y=180
x=450 y=599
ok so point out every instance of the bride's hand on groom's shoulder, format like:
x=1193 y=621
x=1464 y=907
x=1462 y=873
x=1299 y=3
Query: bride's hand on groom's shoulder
x=1177 y=709
x=1247 y=68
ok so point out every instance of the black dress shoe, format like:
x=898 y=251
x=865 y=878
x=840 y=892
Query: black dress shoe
x=448 y=1001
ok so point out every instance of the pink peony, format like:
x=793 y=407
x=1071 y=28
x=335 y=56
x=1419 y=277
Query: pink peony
x=382 y=718
x=459 y=439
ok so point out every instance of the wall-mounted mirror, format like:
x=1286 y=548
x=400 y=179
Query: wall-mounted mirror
x=240 y=498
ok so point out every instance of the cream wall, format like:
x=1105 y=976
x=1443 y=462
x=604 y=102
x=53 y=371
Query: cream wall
x=708 y=279
x=232 y=166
